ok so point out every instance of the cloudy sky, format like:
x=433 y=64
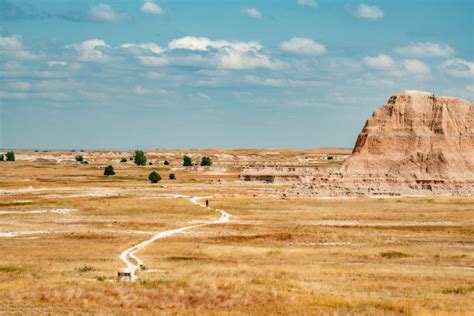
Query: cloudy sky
x=221 y=73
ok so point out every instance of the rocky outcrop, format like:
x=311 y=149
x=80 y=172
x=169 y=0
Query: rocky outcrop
x=416 y=136
x=417 y=143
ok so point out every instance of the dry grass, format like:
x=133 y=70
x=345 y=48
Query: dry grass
x=298 y=256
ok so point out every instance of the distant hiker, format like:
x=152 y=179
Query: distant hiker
x=207 y=203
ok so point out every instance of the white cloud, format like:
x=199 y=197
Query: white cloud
x=203 y=96
x=204 y=44
x=152 y=8
x=459 y=68
x=152 y=47
x=153 y=60
x=304 y=46
x=87 y=51
x=143 y=91
x=11 y=43
x=53 y=63
x=105 y=13
x=223 y=54
x=252 y=12
x=427 y=49
x=42 y=85
x=279 y=82
x=380 y=62
x=308 y=3
x=55 y=96
x=368 y=12
x=416 y=67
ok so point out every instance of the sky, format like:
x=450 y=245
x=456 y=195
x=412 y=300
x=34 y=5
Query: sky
x=125 y=74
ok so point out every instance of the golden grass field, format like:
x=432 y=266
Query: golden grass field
x=295 y=256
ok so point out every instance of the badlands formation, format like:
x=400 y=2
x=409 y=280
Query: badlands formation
x=417 y=143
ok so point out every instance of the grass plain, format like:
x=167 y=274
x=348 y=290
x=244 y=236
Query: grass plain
x=299 y=256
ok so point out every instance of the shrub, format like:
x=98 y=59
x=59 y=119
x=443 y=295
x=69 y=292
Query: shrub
x=330 y=157
x=10 y=156
x=172 y=176
x=393 y=254
x=140 y=159
x=85 y=269
x=187 y=161
x=123 y=160
x=150 y=163
x=166 y=163
x=206 y=161
x=80 y=159
x=154 y=177
x=85 y=162
x=2 y=158
x=109 y=171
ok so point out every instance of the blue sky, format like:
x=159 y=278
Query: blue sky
x=228 y=74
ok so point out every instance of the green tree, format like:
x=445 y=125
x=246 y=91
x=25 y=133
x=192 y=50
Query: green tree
x=80 y=159
x=140 y=159
x=172 y=176
x=123 y=160
x=109 y=171
x=166 y=163
x=154 y=177
x=2 y=158
x=187 y=161
x=10 y=156
x=206 y=161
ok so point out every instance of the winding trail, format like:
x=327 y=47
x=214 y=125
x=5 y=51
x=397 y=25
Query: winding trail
x=133 y=263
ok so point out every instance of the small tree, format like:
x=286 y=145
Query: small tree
x=150 y=163
x=10 y=156
x=166 y=163
x=109 y=171
x=187 y=161
x=123 y=160
x=206 y=161
x=2 y=158
x=140 y=159
x=154 y=177
x=80 y=159
x=172 y=176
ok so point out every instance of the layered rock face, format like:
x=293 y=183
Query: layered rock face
x=416 y=135
x=416 y=144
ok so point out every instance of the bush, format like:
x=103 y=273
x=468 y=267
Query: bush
x=123 y=160
x=154 y=177
x=330 y=158
x=140 y=159
x=2 y=158
x=172 y=176
x=187 y=161
x=10 y=156
x=393 y=254
x=206 y=161
x=85 y=269
x=150 y=163
x=166 y=163
x=85 y=162
x=80 y=159
x=109 y=171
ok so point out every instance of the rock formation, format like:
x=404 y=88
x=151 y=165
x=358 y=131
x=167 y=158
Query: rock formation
x=416 y=135
x=417 y=143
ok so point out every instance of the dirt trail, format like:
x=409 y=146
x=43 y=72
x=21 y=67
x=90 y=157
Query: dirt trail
x=133 y=263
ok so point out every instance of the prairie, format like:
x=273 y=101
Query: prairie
x=64 y=224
